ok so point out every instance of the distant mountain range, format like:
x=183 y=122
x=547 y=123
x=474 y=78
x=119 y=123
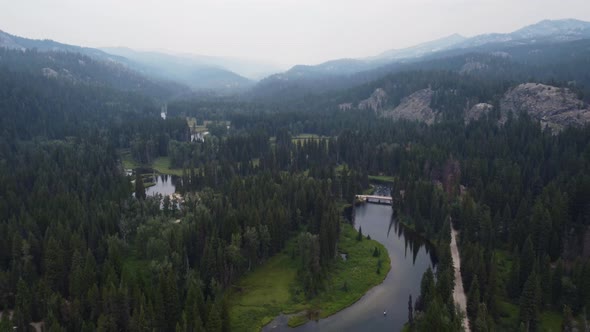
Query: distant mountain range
x=342 y=73
x=195 y=71
x=419 y=50
x=195 y=74
x=541 y=32
x=138 y=70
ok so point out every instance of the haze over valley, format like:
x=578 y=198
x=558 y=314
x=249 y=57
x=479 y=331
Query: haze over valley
x=295 y=166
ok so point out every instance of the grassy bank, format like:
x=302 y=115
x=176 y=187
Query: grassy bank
x=385 y=179
x=127 y=160
x=273 y=288
x=160 y=164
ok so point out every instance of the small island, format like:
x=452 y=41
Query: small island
x=275 y=287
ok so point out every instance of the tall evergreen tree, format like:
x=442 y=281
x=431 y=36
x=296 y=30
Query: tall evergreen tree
x=473 y=299
x=139 y=186
x=529 y=303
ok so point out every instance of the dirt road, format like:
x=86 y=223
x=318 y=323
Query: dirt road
x=459 y=291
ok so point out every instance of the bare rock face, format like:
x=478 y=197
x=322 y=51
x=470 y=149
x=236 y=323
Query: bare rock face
x=472 y=66
x=375 y=102
x=48 y=72
x=553 y=107
x=415 y=107
x=345 y=106
x=477 y=111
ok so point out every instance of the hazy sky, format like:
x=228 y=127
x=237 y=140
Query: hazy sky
x=283 y=31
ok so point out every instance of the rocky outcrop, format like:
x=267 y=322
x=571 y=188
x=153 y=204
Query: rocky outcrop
x=477 y=112
x=415 y=107
x=554 y=107
x=375 y=102
x=472 y=66
x=345 y=106
x=48 y=72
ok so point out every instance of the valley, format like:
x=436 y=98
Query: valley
x=438 y=187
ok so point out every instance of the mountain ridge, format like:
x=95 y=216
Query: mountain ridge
x=304 y=79
x=198 y=77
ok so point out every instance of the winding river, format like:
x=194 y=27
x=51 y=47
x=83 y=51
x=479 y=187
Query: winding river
x=410 y=257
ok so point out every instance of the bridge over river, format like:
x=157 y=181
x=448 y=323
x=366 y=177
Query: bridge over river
x=388 y=200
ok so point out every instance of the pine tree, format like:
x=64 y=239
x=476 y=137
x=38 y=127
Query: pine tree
x=359 y=237
x=376 y=252
x=22 y=308
x=529 y=302
x=214 y=323
x=492 y=288
x=171 y=302
x=568 y=319
x=527 y=260
x=556 y=280
x=514 y=289
x=546 y=282
x=76 y=274
x=139 y=187
x=427 y=289
x=483 y=322
x=473 y=298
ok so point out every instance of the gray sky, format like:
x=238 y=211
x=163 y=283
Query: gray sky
x=283 y=31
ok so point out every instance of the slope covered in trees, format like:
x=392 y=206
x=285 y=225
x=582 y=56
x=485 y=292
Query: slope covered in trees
x=79 y=252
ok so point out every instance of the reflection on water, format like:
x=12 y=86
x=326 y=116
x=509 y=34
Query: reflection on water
x=410 y=257
x=412 y=241
x=165 y=185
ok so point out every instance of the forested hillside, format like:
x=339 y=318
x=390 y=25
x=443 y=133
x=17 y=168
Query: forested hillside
x=84 y=248
x=81 y=69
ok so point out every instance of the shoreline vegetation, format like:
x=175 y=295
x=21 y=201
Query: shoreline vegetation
x=272 y=289
x=160 y=165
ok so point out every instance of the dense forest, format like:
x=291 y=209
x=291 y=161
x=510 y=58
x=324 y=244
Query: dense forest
x=83 y=248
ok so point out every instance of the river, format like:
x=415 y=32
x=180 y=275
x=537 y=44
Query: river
x=410 y=257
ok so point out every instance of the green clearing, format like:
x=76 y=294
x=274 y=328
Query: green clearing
x=375 y=178
x=162 y=165
x=300 y=138
x=508 y=316
x=273 y=288
x=196 y=128
x=127 y=160
x=262 y=294
x=503 y=263
x=382 y=178
x=550 y=320
x=307 y=137
x=136 y=271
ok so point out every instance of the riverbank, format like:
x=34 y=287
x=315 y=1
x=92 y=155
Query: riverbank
x=160 y=164
x=459 y=291
x=272 y=288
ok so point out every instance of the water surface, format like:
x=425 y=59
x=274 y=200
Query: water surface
x=410 y=257
x=165 y=185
